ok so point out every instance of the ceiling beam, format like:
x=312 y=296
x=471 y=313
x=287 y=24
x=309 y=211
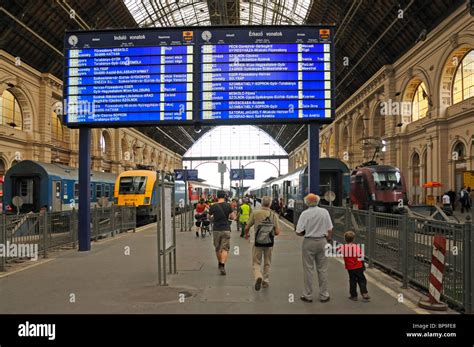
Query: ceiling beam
x=234 y=157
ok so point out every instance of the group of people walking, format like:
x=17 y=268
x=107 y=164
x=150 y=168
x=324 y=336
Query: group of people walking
x=464 y=197
x=314 y=225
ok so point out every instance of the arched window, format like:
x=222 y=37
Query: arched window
x=103 y=148
x=125 y=150
x=57 y=132
x=2 y=167
x=332 y=147
x=460 y=149
x=419 y=103
x=415 y=168
x=104 y=145
x=463 y=86
x=10 y=111
x=145 y=155
x=459 y=164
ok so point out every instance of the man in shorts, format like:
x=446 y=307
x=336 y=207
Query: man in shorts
x=220 y=213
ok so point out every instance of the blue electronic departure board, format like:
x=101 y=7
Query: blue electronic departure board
x=208 y=75
x=120 y=78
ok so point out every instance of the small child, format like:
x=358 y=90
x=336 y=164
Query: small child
x=353 y=257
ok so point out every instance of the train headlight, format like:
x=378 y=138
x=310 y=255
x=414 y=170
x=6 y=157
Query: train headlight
x=373 y=197
x=115 y=201
x=147 y=201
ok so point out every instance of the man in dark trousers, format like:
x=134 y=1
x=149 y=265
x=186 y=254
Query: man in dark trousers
x=452 y=198
x=221 y=212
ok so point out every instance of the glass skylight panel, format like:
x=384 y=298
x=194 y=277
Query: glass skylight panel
x=159 y=13
x=274 y=12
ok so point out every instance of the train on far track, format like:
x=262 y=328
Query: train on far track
x=292 y=187
x=380 y=186
x=51 y=186
x=137 y=188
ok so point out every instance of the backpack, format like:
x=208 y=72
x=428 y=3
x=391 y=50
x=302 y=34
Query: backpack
x=265 y=233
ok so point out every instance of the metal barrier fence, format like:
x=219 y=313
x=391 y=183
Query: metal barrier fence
x=403 y=245
x=41 y=232
x=185 y=218
x=298 y=208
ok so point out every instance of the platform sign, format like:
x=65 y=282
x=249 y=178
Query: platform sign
x=180 y=175
x=266 y=74
x=236 y=174
x=212 y=75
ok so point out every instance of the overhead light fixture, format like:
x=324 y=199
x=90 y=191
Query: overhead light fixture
x=422 y=36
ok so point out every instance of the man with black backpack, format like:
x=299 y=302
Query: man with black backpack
x=267 y=226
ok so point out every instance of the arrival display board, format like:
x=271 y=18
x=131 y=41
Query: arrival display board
x=208 y=75
x=279 y=74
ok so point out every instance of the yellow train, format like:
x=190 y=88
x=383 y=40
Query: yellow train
x=137 y=188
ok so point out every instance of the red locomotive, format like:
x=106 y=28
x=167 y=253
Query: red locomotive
x=380 y=186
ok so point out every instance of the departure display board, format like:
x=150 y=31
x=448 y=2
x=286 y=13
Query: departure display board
x=207 y=75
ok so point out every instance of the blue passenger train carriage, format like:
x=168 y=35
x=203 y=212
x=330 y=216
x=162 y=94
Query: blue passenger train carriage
x=52 y=186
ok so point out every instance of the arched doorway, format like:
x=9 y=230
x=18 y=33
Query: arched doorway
x=424 y=172
x=459 y=158
x=415 y=178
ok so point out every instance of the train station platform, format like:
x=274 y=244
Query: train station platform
x=107 y=280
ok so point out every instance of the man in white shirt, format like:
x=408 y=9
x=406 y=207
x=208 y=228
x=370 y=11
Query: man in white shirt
x=316 y=226
x=446 y=200
x=447 y=204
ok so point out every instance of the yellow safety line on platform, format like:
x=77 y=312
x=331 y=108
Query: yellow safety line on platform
x=27 y=267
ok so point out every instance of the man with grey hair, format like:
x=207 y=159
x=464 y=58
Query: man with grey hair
x=265 y=222
x=316 y=226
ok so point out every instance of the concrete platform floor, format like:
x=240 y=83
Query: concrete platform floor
x=106 y=280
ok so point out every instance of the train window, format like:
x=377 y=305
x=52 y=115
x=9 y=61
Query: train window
x=107 y=191
x=98 y=190
x=24 y=188
x=132 y=185
x=387 y=180
x=76 y=190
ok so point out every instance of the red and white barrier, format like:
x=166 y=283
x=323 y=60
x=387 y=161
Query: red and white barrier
x=436 y=275
x=437 y=268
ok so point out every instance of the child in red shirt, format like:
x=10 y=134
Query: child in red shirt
x=353 y=259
